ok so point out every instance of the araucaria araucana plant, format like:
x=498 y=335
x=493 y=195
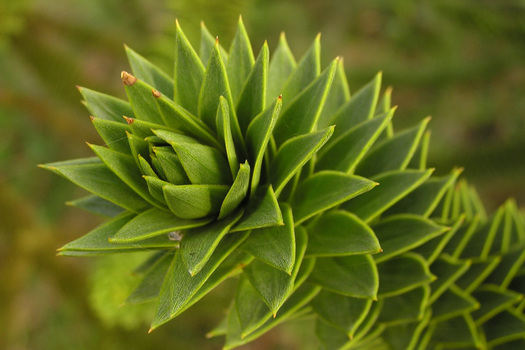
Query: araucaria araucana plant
x=267 y=171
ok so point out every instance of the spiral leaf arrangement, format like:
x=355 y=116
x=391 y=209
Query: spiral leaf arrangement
x=266 y=171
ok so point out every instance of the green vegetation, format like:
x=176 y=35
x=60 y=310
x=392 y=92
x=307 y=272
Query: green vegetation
x=458 y=62
x=217 y=178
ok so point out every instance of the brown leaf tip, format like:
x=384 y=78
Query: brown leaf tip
x=216 y=40
x=127 y=78
x=156 y=93
x=280 y=97
x=91 y=117
x=128 y=120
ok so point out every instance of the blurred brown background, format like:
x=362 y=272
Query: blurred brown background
x=461 y=61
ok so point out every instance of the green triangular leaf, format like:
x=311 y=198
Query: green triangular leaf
x=406 y=335
x=224 y=133
x=359 y=108
x=405 y=307
x=149 y=73
x=325 y=190
x=340 y=233
x=151 y=223
x=105 y=106
x=508 y=267
x=453 y=303
x=477 y=273
x=140 y=95
x=296 y=301
x=447 y=271
x=352 y=275
x=392 y=154
x=198 y=244
x=301 y=113
x=194 y=201
x=480 y=242
x=126 y=169
x=97 y=241
x=293 y=154
x=458 y=331
x=339 y=95
x=402 y=233
x=178 y=118
x=113 y=134
x=493 y=299
x=404 y=273
x=433 y=248
x=424 y=199
x=171 y=166
x=506 y=326
x=261 y=211
x=206 y=46
x=330 y=336
x=155 y=187
x=281 y=66
x=149 y=288
x=308 y=68
x=346 y=152
x=97 y=205
x=214 y=86
x=252 y=311
x=188 y=74
x=98 y=179
x=275 y=285
x=240 y=60
x=392 y=187
x=252 y=99
x=342 y=312
x=180 y=287
x=237 y=192
x=257 y=137
x=202 y=164
x=231 y=266
x=275 y=245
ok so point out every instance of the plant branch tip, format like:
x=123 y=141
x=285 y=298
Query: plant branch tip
x=127 y=78
x=150 y=330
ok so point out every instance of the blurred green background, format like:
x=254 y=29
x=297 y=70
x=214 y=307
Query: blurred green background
x=461 y=61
